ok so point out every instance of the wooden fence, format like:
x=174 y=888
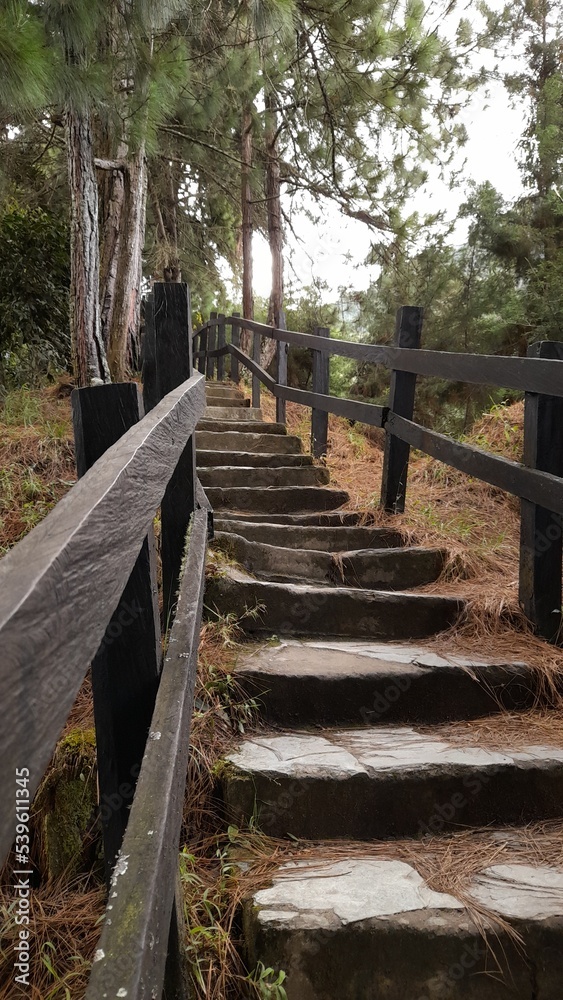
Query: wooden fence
x=537 y=481
x=81 y=589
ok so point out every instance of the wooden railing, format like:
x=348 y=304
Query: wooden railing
x=537 y=482
x=81 y=590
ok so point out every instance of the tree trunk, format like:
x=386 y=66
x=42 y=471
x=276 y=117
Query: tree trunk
x=163 y=188
x=275 y=230
x=88 y=351
x=126 y=298
x=124 y=204
x=247 y=225
x=112 y=202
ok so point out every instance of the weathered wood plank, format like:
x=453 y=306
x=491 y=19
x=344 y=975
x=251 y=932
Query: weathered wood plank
x=211 y=341
x=255 y=380
x=260 y=373
x=524 y=374
x=174 y=365
x=202 y=351
x=319 y=417
x=365 y=413
x=221 y=341
x=538 y=487
x=541 y=552
x=54 y=609
x=408 y=332
x=150 y=391
x=235 y=341
x=281 y=367
x=126 y=668
x=204 y=503
x=133 y=947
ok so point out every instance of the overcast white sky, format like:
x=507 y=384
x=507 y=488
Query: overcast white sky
x=322 y=251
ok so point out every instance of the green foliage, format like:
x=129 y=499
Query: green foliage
x=531 y=230
x=34 y=280
x=25 y=62
x=472 y=304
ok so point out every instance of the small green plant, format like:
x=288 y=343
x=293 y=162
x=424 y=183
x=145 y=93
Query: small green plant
x=31 y=486
x=267 y=987
x=62 y=988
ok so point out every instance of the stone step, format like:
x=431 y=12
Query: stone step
x=324 y=682
x=272 y=499
x=314 y=536
x=227 y=476
x=226 y=399
x=298 y=609
x=256 y=460
x=269 y=442
x=225 y=385
x=371 y=927
x=238 y=413
x=373 y=569
x=244 y=428
x=387 y=782
x=330 y=519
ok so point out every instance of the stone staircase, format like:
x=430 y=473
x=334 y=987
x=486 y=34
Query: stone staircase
x=371 y=757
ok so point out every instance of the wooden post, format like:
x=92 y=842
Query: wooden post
x=150 y=388
x=319 y=418
x=541 y=530
x=255 y=379
x=126 y=668
x=221 y=341
x=235 y=341
x=408 y=332
x=211 y=340
x=174 y=366
x=281 y=365
x=202 y=361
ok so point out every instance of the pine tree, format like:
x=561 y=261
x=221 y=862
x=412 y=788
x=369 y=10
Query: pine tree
x=531 y=232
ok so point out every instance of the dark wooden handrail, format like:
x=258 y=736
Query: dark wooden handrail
x=512 y=477
x=80 y=591
x=133 y=947
x=502 y=371
x=61 y=583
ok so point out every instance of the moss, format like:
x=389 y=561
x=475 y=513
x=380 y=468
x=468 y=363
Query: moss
x=67 y=802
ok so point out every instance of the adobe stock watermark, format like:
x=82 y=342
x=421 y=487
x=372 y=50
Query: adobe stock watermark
x=543 y=540
x=304 y=612
x=383 y=701
x=468 y=959
x=444 y=813
x=109 y=804
x=22 y=874
x=283 y=803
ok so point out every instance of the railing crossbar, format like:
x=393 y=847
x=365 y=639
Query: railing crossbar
x=502 y=371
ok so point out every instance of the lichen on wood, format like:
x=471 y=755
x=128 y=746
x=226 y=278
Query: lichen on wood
x=66 y=807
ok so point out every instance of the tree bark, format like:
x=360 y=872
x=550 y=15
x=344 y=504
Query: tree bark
x=113 y=187
x=247 y=226
x=89 y=356
x=124 y=208
x=124 y=315
x=273 y=201
x=275 y=229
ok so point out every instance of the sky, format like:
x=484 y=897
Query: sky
x=335 y=250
